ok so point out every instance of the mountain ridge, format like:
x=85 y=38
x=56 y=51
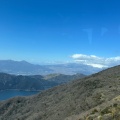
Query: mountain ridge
x=34 y=82
x=26 y=68
x=61 y=102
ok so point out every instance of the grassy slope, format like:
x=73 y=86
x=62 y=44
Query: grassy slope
x=66 y=100
x=109 y=110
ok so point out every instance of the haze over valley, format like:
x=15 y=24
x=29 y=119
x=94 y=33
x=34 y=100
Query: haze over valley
x=26 y=68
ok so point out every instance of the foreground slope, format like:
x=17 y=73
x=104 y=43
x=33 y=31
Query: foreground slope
x=109 y=110
x=61 y=78
x=63 y=102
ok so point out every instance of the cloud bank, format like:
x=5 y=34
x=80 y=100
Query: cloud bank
x=96 y=61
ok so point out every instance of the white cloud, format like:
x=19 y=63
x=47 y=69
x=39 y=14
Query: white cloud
x=96 y=61
x=97 y=65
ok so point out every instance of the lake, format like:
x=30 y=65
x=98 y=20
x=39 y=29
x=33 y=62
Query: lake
x=6 y=94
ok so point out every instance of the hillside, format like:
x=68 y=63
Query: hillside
x=109 y=110
x=35 y=82
x=61 y=78
x=74 y=101
x=21 y=82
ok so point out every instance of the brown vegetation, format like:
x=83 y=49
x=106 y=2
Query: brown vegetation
x=92 y=98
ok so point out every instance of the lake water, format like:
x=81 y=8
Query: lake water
x=6 y=94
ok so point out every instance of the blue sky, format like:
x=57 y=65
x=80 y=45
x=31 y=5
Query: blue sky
x=53 y=30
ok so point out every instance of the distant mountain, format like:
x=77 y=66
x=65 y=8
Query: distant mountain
x=96 y=97
x=73 y=68
x=35 y=82
x=25 y=68
x=22 y=68
x=21 y=82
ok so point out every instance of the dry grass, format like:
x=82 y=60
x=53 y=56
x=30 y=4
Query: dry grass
x=90 y=98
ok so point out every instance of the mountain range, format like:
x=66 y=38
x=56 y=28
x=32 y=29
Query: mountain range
x=34 y=82
x=26 y=68
x=95 y=97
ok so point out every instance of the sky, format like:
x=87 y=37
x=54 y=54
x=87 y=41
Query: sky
x=55 y=31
